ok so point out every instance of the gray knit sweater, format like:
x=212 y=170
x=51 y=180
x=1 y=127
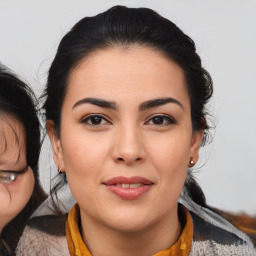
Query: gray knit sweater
x=212 y=236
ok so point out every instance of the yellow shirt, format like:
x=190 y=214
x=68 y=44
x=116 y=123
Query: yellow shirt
x=77 y=246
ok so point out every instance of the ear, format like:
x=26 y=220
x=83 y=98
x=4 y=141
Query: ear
x=196 y=141
x=56 y=144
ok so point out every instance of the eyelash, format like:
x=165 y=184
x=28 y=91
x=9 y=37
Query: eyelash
x=7 y=176
x=166 y=120
x=89 y=118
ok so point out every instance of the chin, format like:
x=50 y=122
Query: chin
x=130 y=227
x=129 y=222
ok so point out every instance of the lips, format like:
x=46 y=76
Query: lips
x=128 y=188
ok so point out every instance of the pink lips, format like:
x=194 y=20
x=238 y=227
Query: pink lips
x=129 y=188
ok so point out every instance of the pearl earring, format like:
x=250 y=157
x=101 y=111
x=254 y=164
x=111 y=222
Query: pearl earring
x=191 y=162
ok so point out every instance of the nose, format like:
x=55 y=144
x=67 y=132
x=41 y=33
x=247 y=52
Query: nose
x=129 y=146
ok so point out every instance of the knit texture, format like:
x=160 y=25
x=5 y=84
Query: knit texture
x=212 y=236
x=210 y=248
x=37 y=243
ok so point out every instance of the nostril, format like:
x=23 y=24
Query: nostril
x=120 y=159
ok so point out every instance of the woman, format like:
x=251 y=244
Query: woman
x=20 y=192
x=126 y=114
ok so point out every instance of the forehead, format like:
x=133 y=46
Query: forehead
x=134 y=70
x=12 y=139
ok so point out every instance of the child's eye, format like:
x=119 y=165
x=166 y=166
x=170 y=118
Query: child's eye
x=161 y=120
x=95 y=120
x=7 y=177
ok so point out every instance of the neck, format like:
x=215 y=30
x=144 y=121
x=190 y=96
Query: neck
x=159 y=236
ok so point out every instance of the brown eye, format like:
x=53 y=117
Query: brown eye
x=160 y=120
x=95 y=120
x=7 y=177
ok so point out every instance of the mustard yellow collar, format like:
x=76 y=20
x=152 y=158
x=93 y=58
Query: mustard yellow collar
x=77 y=246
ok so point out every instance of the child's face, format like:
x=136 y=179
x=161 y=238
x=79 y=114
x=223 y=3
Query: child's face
x=15 y=194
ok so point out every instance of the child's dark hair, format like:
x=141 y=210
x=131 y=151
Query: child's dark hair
x=17 y=101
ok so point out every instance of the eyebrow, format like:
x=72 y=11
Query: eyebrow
x=98 y=102
x=158 y=102
x=23 y=170
x=142 y=107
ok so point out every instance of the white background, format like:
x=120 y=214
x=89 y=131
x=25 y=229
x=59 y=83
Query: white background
x=225 y=35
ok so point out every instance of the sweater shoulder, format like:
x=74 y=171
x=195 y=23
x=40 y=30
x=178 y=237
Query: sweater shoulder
x=211 y=239
x=206 y=231
x=43 y=236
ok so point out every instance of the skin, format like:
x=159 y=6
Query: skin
x=15 y=195
x=126 y=141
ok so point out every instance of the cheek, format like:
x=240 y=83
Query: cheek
x=22 y=191
x=83 y=168
x=15 y=196
x=5 y=198
x=170 y=153
x=81 y=154
x=170 y=159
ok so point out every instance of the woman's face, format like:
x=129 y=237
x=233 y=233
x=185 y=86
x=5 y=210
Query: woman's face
x=126 y=137
x=14 y=195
